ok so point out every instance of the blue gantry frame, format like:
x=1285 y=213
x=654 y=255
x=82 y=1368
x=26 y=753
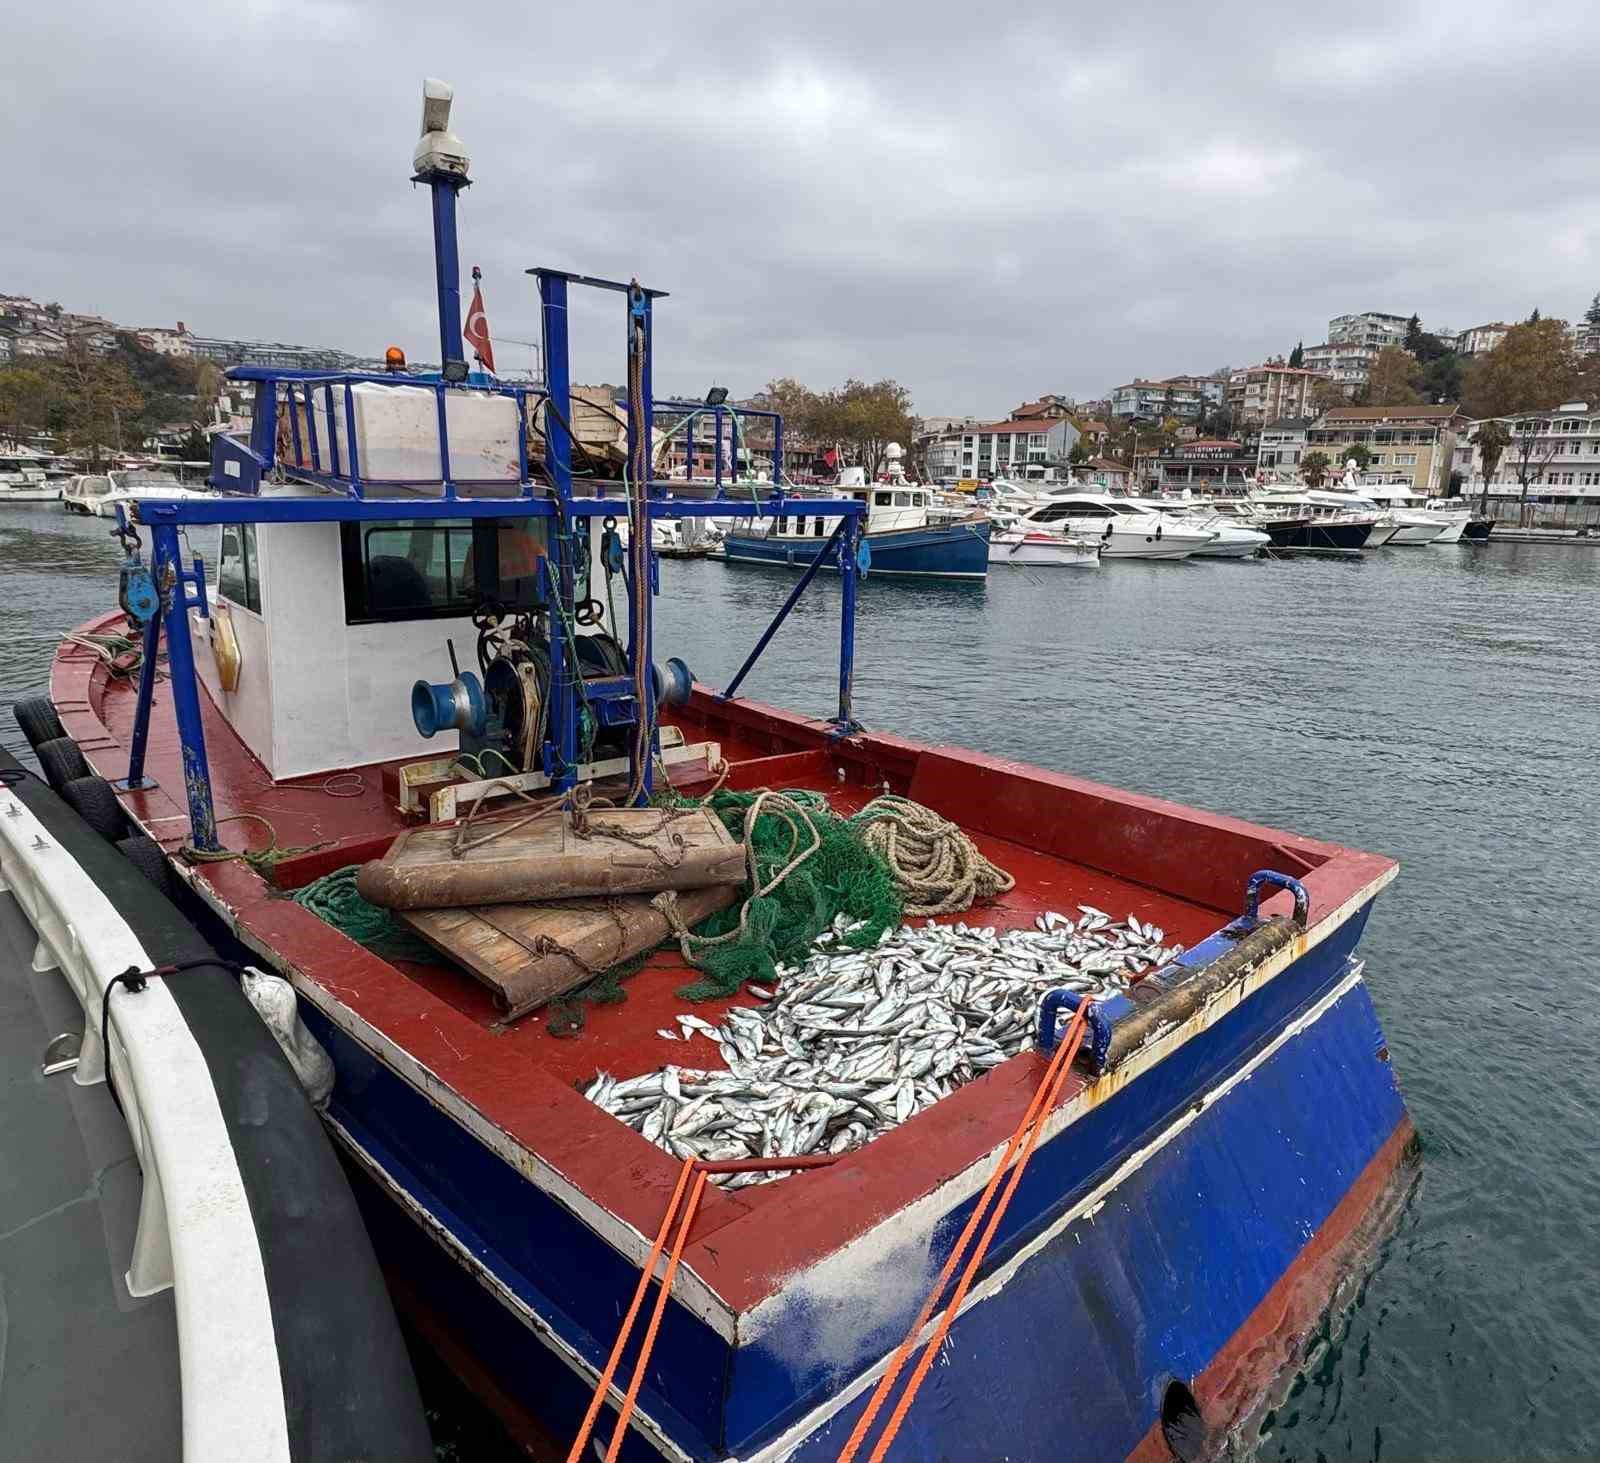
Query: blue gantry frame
x=287 y=404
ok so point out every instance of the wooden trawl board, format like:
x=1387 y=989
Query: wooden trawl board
x=624 y=851
x=528 y=954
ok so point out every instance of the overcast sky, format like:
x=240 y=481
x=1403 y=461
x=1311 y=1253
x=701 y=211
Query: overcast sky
x=983 y=203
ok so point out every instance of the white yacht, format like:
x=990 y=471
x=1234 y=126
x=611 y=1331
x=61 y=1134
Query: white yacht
x=1408 y=510
x=1125 y=529
x=1456 y=516
x=24 y=479
x=99 y=493
x=1233 y=538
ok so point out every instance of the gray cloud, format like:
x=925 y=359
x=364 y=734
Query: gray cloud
x=984 y=204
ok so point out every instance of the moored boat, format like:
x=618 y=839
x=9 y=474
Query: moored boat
x=1205 y=1141
x=898 y=540
x=1036 y=548
x=1124 y=528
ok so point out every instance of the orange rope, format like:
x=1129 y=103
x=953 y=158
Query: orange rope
x=626 y=1414
x=699 y=1169
x=1027 y=1134
x=645 y=1277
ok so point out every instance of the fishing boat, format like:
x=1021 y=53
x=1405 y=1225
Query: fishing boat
x=900 y=539
x=1124 y=528
x=1167 y=1178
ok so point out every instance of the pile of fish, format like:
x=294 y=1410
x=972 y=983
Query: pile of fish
x=854 y=1042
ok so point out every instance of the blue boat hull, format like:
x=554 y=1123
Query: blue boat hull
x=1147 y=1236
x=955 y=551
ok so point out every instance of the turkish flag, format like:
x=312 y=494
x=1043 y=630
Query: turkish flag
x=476 y=331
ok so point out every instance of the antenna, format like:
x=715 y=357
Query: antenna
x=441 y=161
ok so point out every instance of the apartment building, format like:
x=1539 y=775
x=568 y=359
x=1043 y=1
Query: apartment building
x=1347 y=365
x=1416 y=442
x=1371 y=328
x=1183 y=397
x=1038 y=450
x=1266 y=393
x=1482 y=338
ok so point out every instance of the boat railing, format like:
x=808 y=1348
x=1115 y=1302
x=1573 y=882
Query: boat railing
x=286 y=438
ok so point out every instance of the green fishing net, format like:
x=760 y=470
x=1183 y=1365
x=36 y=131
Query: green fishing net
x=333 y=899
x=843 y=877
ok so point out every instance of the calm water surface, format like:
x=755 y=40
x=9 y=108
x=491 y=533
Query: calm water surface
x=1438 y=704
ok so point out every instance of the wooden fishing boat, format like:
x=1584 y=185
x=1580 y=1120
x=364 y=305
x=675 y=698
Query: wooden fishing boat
x=1222 y=1143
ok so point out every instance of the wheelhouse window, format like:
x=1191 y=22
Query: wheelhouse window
x=238 y=578
x=419 y=569
x=882 y=500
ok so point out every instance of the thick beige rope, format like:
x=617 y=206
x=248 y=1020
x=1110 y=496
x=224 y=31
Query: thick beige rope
x=936 y=867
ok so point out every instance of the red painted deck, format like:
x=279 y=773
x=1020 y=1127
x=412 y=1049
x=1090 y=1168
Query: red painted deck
x=1065 y=840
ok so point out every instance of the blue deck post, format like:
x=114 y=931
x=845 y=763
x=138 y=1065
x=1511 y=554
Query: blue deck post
x=185 y=692
x=557 y=382
x=563 y=732
x=848 y=543
x=777 y=453
x=688 y=448
x=136 y=781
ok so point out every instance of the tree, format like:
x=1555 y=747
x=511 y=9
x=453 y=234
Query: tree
x=1297 y=357
x=1532 y=451
x=1592 y=314
x=1314 y=468
x=1396 y=377
x=29 y=400
x=1413 y=334
x=1325 y=394
x=1359 y=454
x=1534 y=318
x=1442 y=377
x=101 y=402
x=1532 y=369
x=864 y=419
x=1492 y=439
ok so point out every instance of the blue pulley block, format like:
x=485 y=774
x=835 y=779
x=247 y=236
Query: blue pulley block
x=456 y=705
x=136 y=592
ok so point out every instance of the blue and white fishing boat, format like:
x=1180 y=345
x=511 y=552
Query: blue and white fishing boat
x=1149 y=1169
x=899 y=538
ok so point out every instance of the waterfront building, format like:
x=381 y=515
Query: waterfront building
x=1415 y=442
x=1037 y=450
x=1282 y=445
x=1559 y=448
x=1206 y=465
x=1107 y=474
x=1271 y=391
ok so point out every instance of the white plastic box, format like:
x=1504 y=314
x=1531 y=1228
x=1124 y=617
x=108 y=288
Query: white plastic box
x=397 y=434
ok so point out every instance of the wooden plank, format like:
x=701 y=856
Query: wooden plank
x=528 y=954
x=536 y=859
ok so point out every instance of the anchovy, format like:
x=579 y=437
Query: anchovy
x=851 y=1043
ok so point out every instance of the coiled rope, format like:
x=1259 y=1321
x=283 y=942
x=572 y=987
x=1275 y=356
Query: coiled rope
x=937 y=868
